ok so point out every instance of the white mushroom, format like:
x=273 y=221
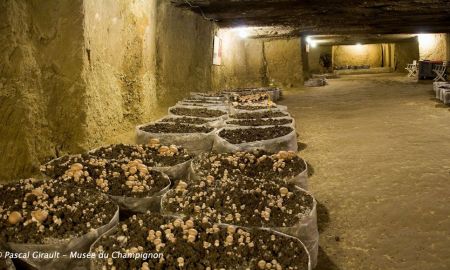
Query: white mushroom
x=40 y=215
x=180 y=261
x=284 y=191
x=262 y=264
x=14 y=218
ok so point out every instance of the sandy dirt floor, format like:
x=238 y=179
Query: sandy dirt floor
x=379 y=149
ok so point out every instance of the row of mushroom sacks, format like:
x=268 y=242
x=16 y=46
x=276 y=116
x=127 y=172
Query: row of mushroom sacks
x=217 y=184
x=442 y=91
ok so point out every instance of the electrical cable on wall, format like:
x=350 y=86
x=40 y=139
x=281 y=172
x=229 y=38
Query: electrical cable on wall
x=201 y=11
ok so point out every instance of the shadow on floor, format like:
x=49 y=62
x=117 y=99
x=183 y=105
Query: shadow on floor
x=323 y=217
x=310 y=169
x=301 y=146
x=324 y=262
x=441 y=105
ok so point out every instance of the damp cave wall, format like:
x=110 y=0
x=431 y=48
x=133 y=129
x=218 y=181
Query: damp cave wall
x=448 y=46
x=242 y=63
x=258 y=62
x=144 y=59
x=405 y=53
x=184 y=43
x=284 y=62
x=434 y=47
x=314 y=58
x=79 y=74
x=354 y=55
x=41 y=85
x=119 y=66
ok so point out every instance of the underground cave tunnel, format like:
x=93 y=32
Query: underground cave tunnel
x=224 y=134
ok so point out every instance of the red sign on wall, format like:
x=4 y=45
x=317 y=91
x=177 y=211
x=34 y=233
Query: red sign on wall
x=217 y=57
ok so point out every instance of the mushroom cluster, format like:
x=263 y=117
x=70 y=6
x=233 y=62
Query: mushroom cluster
x=130 y=177
x=150 y=154
x=197 y=244
x=250 y=98
x=134 y=171
x=253 y=107
x=281 y=166
x=32 y=210
x=244 y=201
x=168 y=150
x=154 y=143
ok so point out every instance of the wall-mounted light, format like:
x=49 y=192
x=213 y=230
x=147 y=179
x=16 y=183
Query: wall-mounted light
x=426 y=40
x=312 y=43
x=242 y=32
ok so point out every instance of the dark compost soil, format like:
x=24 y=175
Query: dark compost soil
x=195 y=244
x=186 y=120
x=175 y=128
x=151 y=155
x=257 y=115
x=237 y=136
x=261 y=122
x=37 y=211
x=254 y=107
x=197 y=112
x=245 y=202
x=259 y=165
x=118 y=178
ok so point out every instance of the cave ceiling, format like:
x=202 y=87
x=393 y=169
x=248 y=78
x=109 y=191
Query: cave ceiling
x=327 y=17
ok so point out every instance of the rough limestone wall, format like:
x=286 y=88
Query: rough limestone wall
x=314 y=58
x=305 y=61
x=448 y=46
x=388 y=55
x=242 y=63
x=405 y=53
x=258 y=62
x=119 y=67
x=433 y=47
x=40 y=86
x=284 y=62
x=184 y=46
x=76 y=74
x=141 y=57
x=370 y=54
x=255 y=67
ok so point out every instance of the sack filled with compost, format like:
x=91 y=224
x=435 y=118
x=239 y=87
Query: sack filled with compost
x=271 y=139
x=285 y=166
x=187 y=120
x=164 y=242
x=50 y=219
x=169 y=159
x=249 y=202
x=196 y=111
x=130 y=183
x=195 y=138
